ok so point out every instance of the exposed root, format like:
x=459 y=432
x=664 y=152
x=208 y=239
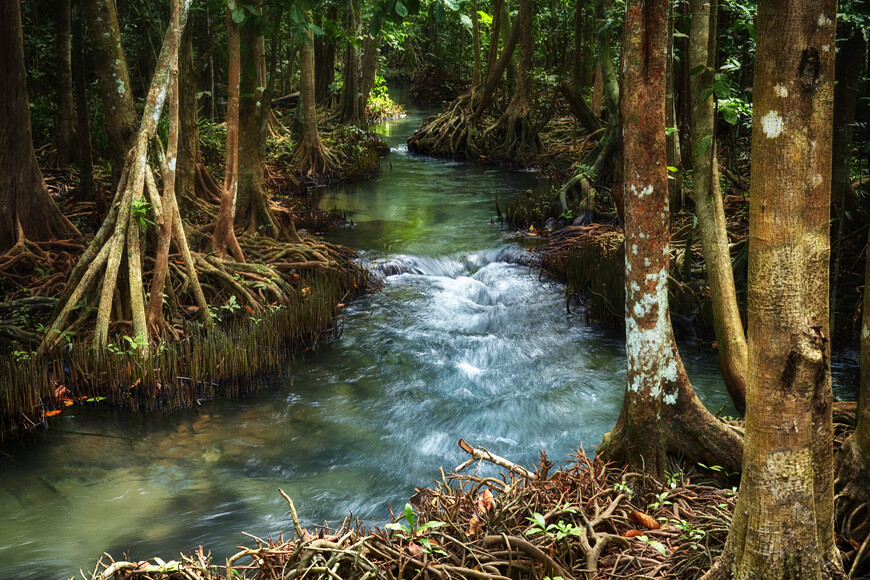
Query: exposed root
x=453 y=132
x=577 y=522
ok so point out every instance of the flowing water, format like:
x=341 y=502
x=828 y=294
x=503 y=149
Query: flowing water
x=464 y=342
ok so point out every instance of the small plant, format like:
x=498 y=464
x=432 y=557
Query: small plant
x=622 y=487
x=558 y=531
x=657 y=546
x=689 y=531
x=660 y=502
x=20 y=355
x=673 y=479
x=139 y=209
x=414 y=533
x=129 y=346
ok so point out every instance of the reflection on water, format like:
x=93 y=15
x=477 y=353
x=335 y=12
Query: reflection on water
x=464 y=341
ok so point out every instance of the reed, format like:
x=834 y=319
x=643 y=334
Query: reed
x=227 y=360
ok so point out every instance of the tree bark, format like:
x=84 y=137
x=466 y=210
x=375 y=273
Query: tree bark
x=475 y=41
x=85 y=189
x=324 y=60
x=252 y=205
x=660 y=412
x=224 y=237
x=783 y=524
x=27 y=211
x=348 y=104
x=675 y=178
x=65 y=137
x=113 y=79
x=727 y=325
x=314 y=160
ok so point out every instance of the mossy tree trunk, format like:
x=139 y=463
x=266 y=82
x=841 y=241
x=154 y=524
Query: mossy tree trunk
x=27 y=211
x=660 y=412
x=113 y=80
x=709 y=209
x=783 y=524
x=315 y=161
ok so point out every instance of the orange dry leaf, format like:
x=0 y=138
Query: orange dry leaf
x=249 y=309
x=52 y=413
x=485 y=501
x=475 y=526
x=67 y=401
x=644 y=520
x=60 y=392
x=632 y=533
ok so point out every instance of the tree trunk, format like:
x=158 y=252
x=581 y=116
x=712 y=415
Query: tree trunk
x=315 y=161
x=849 y=62
x=85 y=189
x=475 y=40
x=27 y=211
x=324 y=60
x=675 y=178
x=224 y=237
x=505 y=33
x=515 y=131
x=113 y=80
x=368 y=71
x=348 y=105
x=728 y=327
x=660 y=412
x=252 y=205
x=783 y=524
x=65 y=137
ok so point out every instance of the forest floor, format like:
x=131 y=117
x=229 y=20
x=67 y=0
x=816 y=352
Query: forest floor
x=585 y=519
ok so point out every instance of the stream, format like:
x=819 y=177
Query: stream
x=463 y=342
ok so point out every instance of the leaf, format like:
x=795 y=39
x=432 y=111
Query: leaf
x=475 y=526
x=704 y=145
x=431 y=525
x=705 y=94
x=239 y=15
x=730 y=115
x=485 y=501
x=414 y=549
x=644 y=520
x=52 y=413
x=632 y=533
x=697 y=69
x=466 y=21
x=397 y=527
x=409 y=514
x=658 y=546
x=401 y=10
x=672 y=169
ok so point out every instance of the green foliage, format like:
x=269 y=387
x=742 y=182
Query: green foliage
x=128 y=346
x=657 y=546
x=413 y=532
x=139 y=209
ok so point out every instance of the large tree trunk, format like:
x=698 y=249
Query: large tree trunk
x=113 y=80
x=708 y=205
x=315 y=162
x=65 y=136
x=252 y=205
x=475 y=40
x=660 y=412
x=783 y=524
x=27 y=212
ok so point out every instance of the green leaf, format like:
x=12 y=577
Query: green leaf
x=672 y=169
x=466 y=21
x=698 y=69
x=401 y=10
x=659 y=547
x=239 y=15
x=730 y=115
x=431 y=525
x=452 y=4
x=409 y=514
x=702 y=148
x=678 y=34
x=397 y=527
x=705 y=94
